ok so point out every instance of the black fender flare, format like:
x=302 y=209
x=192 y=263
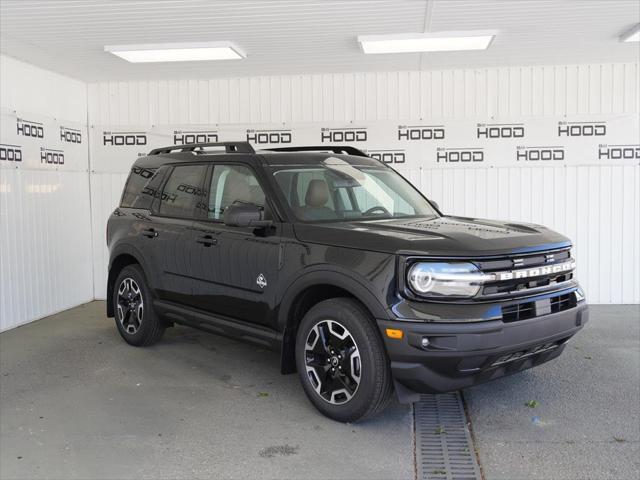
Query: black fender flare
x=322 y=275
x=116 y=252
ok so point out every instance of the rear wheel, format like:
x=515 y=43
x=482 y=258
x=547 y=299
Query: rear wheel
x=135 y=318
x=341 y=361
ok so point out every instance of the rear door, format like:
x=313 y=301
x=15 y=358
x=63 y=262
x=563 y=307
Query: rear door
x=142 y=189
x=238 y=266
x=180 y=203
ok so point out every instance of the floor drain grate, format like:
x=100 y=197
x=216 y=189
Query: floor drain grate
x=443 y=443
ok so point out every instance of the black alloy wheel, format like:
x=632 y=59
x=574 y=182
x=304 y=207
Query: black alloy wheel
x=333 y=361
x=136 y=319
x=130 y=305
x=341 y=360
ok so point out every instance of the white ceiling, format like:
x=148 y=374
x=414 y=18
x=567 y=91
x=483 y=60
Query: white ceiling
x=309 y=36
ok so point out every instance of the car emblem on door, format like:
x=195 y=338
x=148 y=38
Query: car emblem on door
x=261 y=281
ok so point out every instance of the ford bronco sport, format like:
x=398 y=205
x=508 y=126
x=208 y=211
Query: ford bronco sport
x=337 y=261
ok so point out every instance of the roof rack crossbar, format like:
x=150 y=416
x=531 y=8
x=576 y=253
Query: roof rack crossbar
x=230 y=147
x=322 y=148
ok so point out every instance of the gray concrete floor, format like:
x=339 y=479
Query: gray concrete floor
x=587 y=422
x=77 y=402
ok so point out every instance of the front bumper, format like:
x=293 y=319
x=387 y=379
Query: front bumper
x=459 y=355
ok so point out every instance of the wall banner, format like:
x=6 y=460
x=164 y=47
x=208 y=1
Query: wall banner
x=37 y=142
x=530 y=141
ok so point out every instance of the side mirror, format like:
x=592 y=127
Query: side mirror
x=435 y=204
x=245 y=215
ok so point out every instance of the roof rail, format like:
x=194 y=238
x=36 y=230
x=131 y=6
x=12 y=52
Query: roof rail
x=322 y=148
x=230 y=147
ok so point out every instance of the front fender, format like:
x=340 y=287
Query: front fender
x=345 y=279
x=335 y=276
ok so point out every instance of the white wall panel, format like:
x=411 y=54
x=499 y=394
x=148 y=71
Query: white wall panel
x=480 y=93
x=106 y=190
x=29 y=89
x=597 y=206
x=45 y=254
x=45 y=230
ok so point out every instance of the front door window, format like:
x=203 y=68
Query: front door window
x=233 y=183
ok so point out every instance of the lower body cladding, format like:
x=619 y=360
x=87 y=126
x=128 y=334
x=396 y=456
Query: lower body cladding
x=442 y=357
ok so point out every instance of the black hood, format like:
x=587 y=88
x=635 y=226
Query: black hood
x=446 y=236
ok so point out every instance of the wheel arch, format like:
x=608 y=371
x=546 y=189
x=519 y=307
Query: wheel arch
x=310 y=289
x=122 y=258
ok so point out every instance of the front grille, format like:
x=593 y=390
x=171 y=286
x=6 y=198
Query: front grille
x=563 y=302
x=519 y=311
x=522 y=311
x=527 y=260
x=520 y=285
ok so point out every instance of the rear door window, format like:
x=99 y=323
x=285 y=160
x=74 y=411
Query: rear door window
x=183 y=195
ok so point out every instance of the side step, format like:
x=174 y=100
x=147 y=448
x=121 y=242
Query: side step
x=227 y=327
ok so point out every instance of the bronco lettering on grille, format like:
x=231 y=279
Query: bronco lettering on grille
x=536 y=271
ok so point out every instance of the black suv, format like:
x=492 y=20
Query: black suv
x=336 y=260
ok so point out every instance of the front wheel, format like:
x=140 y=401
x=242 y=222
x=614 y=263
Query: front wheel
x=342 y=362
x=136 y=320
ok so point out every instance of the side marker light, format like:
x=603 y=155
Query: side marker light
x=394 y=333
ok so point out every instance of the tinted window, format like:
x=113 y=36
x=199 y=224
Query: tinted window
x=232 y=183
x=304 y=182
x=153 y=189
x=138 y=179
x=182 y=195
x=337 y=190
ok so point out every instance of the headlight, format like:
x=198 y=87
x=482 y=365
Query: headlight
x=432 y=279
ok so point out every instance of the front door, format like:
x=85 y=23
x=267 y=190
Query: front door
x=238 y=267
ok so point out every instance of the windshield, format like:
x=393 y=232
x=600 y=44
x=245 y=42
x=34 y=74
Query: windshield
x=337 y=190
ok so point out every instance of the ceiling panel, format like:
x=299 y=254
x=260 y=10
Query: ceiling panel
x=298 y=36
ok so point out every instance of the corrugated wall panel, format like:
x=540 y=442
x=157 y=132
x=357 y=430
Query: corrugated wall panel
x=597 y=206
x=106 y=190
x=46 y=257
x=479 y=93
x=30 y=89
x=45 y=229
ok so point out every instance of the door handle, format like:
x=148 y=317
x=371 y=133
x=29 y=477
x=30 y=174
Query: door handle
x=207 y=240
x=149 y=232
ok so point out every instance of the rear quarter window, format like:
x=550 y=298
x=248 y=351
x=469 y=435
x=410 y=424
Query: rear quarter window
x=142 y=187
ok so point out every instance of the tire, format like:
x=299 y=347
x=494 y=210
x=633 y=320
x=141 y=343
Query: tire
x=360 y=384
x=135 y=318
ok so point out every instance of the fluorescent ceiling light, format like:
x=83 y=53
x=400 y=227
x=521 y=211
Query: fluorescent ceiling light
x=426 y=42
x=631 y=35
x=176 y=52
